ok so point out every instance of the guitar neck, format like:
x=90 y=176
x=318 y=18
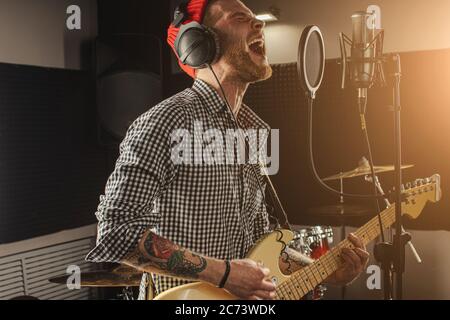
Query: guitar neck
x=307 y=278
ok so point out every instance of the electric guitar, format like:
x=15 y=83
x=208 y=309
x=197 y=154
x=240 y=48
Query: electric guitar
x=298 y=284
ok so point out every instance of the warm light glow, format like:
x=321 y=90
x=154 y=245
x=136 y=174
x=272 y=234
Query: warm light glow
x=266 y=17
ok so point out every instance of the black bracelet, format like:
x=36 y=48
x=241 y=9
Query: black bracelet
x=226 y=274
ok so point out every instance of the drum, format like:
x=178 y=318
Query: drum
x=313 y=242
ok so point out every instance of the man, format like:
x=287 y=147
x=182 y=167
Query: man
x=197 y=222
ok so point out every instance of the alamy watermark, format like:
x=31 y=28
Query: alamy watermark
x=374 y=22
x=73 y=21
x=229 y=147
x=374 y=280
x=74 y=280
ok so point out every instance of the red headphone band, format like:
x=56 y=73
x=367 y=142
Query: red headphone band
x=195 y=10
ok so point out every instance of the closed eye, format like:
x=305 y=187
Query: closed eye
x=241 y=16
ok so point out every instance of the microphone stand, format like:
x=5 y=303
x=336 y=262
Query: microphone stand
x=400 y=238
x=392 y=255
x=383 y=251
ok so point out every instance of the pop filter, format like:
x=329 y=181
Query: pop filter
x=311 y=60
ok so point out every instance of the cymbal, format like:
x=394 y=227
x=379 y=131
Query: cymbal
x=363 y=171
x=123 y=277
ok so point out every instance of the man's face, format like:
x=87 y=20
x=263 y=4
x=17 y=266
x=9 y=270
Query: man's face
x=242 y=42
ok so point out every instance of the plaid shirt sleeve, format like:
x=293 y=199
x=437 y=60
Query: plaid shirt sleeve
x=143 y=171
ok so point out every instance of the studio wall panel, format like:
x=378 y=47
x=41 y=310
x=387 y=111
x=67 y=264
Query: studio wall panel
x=51 y=168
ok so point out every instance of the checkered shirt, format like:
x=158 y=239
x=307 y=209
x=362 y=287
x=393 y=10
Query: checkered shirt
x=216 y=210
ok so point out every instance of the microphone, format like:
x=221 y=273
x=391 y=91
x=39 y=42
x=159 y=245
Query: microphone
x=364 y=66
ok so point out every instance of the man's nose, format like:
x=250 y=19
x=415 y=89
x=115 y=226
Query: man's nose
x=258 y=24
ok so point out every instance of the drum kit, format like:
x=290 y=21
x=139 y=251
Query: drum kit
x=312 y=241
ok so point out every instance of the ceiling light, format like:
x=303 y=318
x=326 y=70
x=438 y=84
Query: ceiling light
x=266 y=17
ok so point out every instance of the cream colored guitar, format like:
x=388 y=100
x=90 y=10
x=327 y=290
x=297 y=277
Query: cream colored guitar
x=297 y=285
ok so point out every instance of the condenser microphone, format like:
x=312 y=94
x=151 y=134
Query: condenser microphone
x=364 y=65
x=363 y=53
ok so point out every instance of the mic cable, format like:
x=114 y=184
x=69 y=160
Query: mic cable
x=313 y=165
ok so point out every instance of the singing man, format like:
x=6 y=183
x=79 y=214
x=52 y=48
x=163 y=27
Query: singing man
x=180 y=222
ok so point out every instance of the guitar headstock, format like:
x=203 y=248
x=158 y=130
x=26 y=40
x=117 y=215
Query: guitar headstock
x=419 y=193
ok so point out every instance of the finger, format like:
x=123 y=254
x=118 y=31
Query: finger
x=355 y=241
x=265 y=271
x=354 y=258
x=266 y=285
x=347 y=261
x=363 y=255
x=266 y=295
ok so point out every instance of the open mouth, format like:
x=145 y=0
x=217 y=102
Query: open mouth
x=257 y=47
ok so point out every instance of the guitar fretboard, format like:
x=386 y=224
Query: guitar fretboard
x=306 y=279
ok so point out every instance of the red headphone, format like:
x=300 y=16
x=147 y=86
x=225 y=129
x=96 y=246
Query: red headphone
x=195 y=10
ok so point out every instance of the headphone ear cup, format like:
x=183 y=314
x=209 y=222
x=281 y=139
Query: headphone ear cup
x=215 y=37
x=196 y=46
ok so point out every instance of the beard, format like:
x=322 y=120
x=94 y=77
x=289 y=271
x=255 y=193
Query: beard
x=245 y=69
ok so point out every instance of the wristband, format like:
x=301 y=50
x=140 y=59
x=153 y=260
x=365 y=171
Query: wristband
x=226 y=274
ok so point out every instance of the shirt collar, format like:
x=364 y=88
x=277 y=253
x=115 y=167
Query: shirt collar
x=213 y=100
x=215 y=104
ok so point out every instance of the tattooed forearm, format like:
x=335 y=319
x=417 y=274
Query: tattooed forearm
x=157 y=254
x=292 y=260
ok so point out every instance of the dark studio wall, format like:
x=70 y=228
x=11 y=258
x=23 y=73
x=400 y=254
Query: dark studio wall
x=147 y=17
x=51 y=167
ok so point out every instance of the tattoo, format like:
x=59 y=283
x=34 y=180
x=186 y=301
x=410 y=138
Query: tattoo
x=157 y=252
x=293 y=260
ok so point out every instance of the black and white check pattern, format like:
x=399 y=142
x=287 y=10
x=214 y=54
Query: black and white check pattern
x=212 y=209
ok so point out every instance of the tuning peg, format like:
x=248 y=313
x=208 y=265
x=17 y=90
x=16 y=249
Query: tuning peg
x=408 y=185
x=419 y=182
x=427 y=180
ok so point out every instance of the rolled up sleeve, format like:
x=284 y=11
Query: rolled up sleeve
x=142 y=172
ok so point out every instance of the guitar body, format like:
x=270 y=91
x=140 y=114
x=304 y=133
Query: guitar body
x=264 y=252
